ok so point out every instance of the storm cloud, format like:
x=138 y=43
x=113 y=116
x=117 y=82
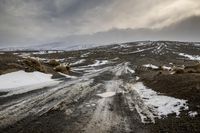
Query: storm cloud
x=32 y=22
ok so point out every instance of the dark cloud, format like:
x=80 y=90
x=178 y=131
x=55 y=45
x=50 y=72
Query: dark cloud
x=30 y=22
x=185 y=30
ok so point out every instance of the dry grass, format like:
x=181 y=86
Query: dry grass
x=62 y=69
x=9 y=62
x=54 y=63
x=15 y=65
x=33 y=64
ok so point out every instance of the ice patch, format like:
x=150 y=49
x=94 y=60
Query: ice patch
x=106 y=94
x=159 y=104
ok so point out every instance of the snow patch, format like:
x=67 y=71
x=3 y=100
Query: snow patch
x=166 y=68
x=60 y=60
x=99 y=63
x=193 y=113
x=137 y=78
x=128 y=69
x=85 y=55
x=14 y=80
x=67 y=76
x=191 y=57
x=25 y=55
x=142 y=44
x=106 y=94
x=150 y=66
x=159 y=104
x=124 y=45
x=78 y=62
x=141 y=50
x=47 y=52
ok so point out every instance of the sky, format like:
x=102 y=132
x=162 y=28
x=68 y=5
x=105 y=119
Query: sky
x=34 y=22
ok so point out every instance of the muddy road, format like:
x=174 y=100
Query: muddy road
x=105 y=95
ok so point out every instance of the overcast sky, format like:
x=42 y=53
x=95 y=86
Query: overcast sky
x=32 y=22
